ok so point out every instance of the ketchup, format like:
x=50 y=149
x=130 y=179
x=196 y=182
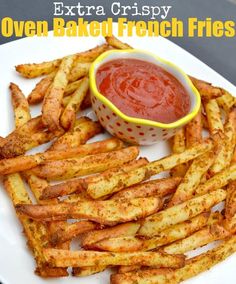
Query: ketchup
x=143 y=90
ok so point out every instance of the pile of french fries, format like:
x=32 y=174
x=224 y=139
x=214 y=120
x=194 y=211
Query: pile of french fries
x=107 y=197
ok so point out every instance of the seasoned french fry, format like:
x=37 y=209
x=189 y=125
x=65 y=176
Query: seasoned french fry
x=198 y=239
x=45 y=68
x=68 y=116
x=230 y=206
x=116 y=43
x=74 y=167
x=37 y=94
x=213 y=117
x=192 y=178
x=64 y=258
x=227 y=101
x=52 y=103
x=178 y=146
x=84 y=130
x=119 y=181
x=179 y=213
x=176 y=232
x=70 y=231
x=23 y=163
x=20 y=106
x=217 y=181
x=78 y=71
x=206 y=90
x=194 y=131
x=158 y=187
x=92 y=237
x=108 y=212
x=71 y=88
x=193 y=267
x=20 y=140
x=76 y=185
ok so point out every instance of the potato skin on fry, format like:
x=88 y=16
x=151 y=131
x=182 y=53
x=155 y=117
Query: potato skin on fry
x=64 y=258
x=109 y=212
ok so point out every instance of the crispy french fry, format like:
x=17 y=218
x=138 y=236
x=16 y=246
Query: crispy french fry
x=37 y=94
x=194 y=131
x=45 y=68
x=74 y=167
x=68 y=116
x=71 y=88
x=92 y=237
x=158 y=187
x=64 y=258
x=20 y=140
x=84 y=130
x=108 y=212
x=79 y=71
x=116 y=43
x=198 y=239
x=217 y=181
x=23 y=163
x=20 y=106
x=193 y=267
x=206 y=90
x=52 y=103
x=178 y=146
x=76 y=185
x=119 y=181
x=192 y=179
x=213 y=117
x=227 y=101
x=230 y=206
x=179 y=213
x=70 y=231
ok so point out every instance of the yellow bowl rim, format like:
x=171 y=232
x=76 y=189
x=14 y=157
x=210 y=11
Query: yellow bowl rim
x=178 y=123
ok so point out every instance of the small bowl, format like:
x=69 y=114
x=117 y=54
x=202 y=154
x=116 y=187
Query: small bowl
x=137 y=130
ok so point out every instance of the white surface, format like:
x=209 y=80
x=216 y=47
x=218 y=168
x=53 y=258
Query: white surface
x=16 y=262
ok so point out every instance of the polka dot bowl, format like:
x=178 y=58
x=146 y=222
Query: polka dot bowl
x=136 y=130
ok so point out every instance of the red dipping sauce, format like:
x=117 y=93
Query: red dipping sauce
x=143 y=90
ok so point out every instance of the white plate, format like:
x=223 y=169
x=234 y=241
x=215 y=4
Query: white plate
x=16 y=262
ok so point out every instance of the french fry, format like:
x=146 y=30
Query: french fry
x=20 y=105
x=83 y=130
x=92 y=237
x=76 y=185
x=119 y=181
x=179 y=213
x=74 y=167
x=37 y=94
x=217 y=181
x=78 y=71
x=116 y=43
x=227 y=101
x=108 y=212
x=70 y=231
x=204 y=122
x=193 y=131
x=158 y=187
x=230 y=208
x=71 y=88
x=68 y=116
x=52 y=103
x=23 y=163
x=192 y=178
x=169 y=235
x=193 y=267
x=213 y=117
x=20 y=140
x=64 y=258
x=45 y=68
x=206 y=90
x=198 y=239
x=178 y=146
